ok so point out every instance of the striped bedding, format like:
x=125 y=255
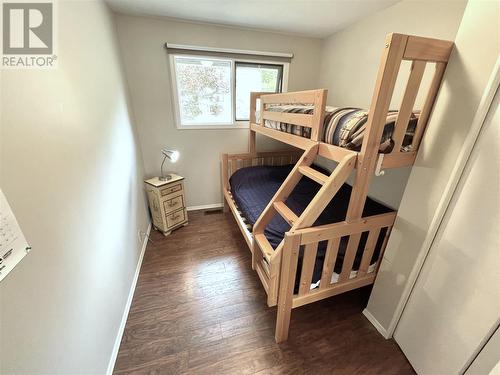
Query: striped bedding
x=344 y=127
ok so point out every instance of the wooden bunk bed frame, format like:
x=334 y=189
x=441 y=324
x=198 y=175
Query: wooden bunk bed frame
x=277 y=268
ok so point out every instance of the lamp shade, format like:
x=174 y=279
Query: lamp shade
x=172 y=155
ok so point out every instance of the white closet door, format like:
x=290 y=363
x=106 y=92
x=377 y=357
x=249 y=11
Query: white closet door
x=455 y=303
x=488 y=360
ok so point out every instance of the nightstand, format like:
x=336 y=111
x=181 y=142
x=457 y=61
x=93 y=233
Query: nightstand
x=167 y=203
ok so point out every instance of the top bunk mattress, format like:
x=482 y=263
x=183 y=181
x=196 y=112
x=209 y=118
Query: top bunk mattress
x=343 y=126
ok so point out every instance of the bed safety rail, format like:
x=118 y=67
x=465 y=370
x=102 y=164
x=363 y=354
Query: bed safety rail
x=308 y=239
x=261 y=101
x=422 y=52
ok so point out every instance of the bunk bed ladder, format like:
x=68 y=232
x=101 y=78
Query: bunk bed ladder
x=262 y=249
x=277 y=205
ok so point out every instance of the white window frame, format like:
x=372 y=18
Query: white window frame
x=234 y=124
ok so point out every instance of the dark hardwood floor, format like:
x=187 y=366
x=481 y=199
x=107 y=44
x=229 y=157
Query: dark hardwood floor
x=199 y=308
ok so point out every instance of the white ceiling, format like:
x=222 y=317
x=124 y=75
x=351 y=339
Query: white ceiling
x=315 y=18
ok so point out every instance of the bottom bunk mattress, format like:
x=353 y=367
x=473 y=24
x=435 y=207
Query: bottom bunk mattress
x=252 y=189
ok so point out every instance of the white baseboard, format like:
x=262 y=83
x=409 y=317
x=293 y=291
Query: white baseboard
x=205 y=207
x=121 y=329
x=376 y=324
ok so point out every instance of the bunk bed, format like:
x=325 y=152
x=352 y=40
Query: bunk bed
x=305 y=249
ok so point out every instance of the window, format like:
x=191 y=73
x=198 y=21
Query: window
x=254 y=77
x=211 y=92
x=203 y=90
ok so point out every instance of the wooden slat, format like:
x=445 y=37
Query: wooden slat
x=265 y=267
x=230 y=167
x=333 y=152
x=287 y=284
x=384 y=245
x=264 y=245
x=427 y=49
x=331 y=256
x=252 y=142
x=350 y=254
x=296 y=97
x=289 y=118
x=225 y=166
x=332 y=290
x=329 y=231
x=384 y=87
x=405 y=111
x=285 y=212
x=371 y=242
x=263 y=277
x=313 y=174
x=308 y=261
x=428 y=105
x=274 y=278
x=291 y=139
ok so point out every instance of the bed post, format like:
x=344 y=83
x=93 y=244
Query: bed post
x=319 y=114
x=251 y=134
x=392 y=56
x=225 y=180
x=251 y=142
x=287 y=283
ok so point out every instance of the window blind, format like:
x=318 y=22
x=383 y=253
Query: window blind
x=228 y=52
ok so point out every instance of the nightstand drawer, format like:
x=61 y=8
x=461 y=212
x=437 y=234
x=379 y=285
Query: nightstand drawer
x=175 y=218
x=173 y=204
x=171 y=189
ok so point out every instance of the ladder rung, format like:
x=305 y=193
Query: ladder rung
x=285 y=212
x=313 y=174
x=264 y=245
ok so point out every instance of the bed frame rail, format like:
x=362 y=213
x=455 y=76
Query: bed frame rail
x=309 y=239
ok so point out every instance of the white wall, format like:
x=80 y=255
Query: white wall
x=476 y=51
x=146 y=64
x=350 y=61
x=71 y=169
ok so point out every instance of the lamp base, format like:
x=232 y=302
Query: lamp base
x=167 y=177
